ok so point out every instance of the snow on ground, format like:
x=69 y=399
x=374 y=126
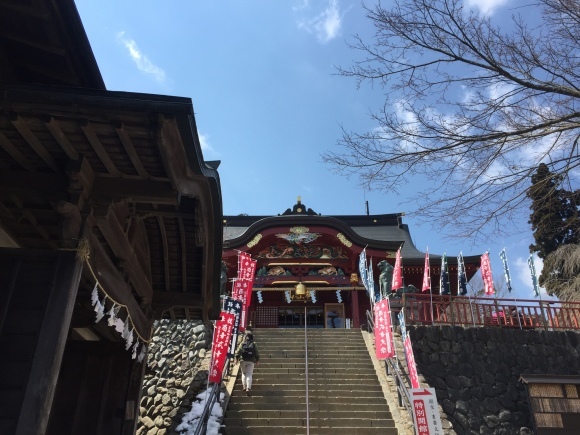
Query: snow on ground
x=190 y=420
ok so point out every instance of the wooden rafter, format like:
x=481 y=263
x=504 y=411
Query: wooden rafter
x=34 y=143
x=27 y=214
x=117 y=240
x=61 y=138
x=15 y=154
x=141 y=191
x=95 y=142
x=128 y=144
x=165 y=251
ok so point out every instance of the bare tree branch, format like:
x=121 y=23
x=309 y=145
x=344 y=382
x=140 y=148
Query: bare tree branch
x=472 y=108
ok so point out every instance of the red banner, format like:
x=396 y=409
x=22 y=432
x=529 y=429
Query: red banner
x=397 y=273
x=383 y=332
x=486 y=274
x=411 y=366
x=242 y=290
x=246 y=266
x=220 y=346
x=427 y=274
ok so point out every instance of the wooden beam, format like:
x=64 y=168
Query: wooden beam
x=35 y=183
x=128 y=144
x=15 y=154
x=61 y=138
x=141 y=191
x=165 y=251
x=170 y=299
x=183 y=254
x=34 y=143
x=119 y=244
x=27 y=214
x=95 y=142
x=115 y=286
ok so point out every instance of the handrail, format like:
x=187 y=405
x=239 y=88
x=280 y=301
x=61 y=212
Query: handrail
x=392 y=368
x=426 y=309
x=213 y=397
x=306 y=364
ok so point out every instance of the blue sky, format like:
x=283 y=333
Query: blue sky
x=261 y=77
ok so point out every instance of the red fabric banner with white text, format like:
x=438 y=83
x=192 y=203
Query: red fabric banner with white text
x=220 y=346
x=411 y=366
x=246 y=266
x=383 y=332
x=486 y=274
x=397 y=273
x=426 y=274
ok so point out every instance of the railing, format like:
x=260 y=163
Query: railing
x=213 y=397
x=394 y=369
x=306 y=373
x=425 y=309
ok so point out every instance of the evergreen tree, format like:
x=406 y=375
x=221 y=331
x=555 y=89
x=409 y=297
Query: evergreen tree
x=554 y=216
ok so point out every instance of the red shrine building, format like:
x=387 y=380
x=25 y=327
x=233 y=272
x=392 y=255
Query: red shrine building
x=308 y=264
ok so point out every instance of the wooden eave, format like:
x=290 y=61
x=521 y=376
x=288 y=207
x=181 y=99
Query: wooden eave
x=45 y=42
x=112 y=158
x=309 y=221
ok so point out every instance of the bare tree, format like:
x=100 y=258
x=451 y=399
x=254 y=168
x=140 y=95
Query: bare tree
x=468 y=105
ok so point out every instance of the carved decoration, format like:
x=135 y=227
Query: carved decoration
x=301 y=251
x=344 y=240
x=254 y=241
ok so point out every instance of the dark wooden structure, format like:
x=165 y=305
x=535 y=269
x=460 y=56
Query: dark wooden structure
x=93 y=184
x=322 y=252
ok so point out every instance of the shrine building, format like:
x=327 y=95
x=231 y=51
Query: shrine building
x=308 y=264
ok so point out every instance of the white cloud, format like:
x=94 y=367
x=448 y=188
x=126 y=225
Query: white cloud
x=204 y=142
x=326 y=25
x=486 y=6
x=143 y=63
x=304 y=4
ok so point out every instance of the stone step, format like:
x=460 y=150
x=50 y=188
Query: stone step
x=251 y=406
x=287 y=398
x=314 y=422
x=281 y=430
x=246 y=414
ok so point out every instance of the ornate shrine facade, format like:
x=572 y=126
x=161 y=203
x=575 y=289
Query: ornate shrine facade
x=308 y=264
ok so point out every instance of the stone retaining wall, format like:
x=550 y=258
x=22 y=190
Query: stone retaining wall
x=476 y=372
x=177 y=367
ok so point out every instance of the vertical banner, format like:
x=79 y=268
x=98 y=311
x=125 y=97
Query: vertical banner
x=409 y=355
x=444 y=287
x=383 y=332
x=371 y=282
x=246 y=266
x=220 y=346
x=534 y=276
x=506 y=270
x=242 y=292
x=234 y=307
x=362 y=269
x=461 y=276
x=397 y=273
x=486 y=274
x=426 y=274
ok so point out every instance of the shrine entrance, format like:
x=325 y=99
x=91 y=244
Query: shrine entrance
x=294 y=317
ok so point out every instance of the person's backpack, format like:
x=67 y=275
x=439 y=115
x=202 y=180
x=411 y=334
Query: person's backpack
x=247 y=350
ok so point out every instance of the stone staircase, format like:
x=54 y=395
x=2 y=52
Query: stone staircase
x=344 y=394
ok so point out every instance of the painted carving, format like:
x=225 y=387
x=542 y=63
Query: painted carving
x=301 y=251
x=254 y=241
x=344 y=240
x=298 y=235
x=276 y=271
x=328 y=270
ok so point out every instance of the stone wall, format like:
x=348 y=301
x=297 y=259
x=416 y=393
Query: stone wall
x=476 y=372
x=177 y=367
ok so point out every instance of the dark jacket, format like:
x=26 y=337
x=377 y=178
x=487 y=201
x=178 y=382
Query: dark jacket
x=239 y=351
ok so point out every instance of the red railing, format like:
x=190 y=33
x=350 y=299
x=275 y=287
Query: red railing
x=424 y=309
